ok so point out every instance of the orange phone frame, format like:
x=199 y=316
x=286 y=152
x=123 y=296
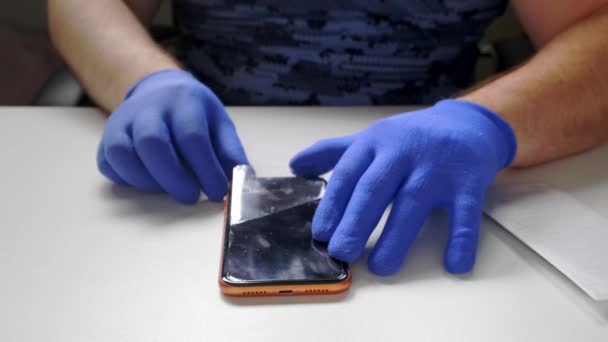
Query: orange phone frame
x=275 y=289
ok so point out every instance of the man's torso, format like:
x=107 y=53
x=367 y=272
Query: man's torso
x=272 y=52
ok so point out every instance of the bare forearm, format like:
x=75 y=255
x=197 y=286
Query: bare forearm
x=106 y=45
x=557 y=102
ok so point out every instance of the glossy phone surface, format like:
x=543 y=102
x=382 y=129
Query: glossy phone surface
x=268 y=245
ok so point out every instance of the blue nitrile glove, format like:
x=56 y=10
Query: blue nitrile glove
x=171 y=134
x=443 y=156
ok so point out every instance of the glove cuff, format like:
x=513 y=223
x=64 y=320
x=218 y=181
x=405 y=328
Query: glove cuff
x=166 y=74
x=509 y=148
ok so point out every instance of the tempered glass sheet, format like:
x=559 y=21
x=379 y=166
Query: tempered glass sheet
x=254 y=197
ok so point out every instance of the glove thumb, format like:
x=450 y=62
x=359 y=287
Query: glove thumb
x=321 y=157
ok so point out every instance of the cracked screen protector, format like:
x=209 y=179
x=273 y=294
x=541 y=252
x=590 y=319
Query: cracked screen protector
x=268 y=235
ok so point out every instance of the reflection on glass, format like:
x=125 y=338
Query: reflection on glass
x=254 y=197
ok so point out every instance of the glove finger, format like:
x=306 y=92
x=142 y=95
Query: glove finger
x=226 y=141
x=349 y=169
x=321 y=157
x=123 y=159
x=153 y=144
x=372 y=194
x=190 y=131
x=461 y=249
x=105 y=168
x=408 y=213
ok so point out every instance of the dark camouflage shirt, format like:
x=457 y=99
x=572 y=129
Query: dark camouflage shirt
x=277 y=52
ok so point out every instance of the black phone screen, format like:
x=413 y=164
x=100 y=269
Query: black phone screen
x=278 y=247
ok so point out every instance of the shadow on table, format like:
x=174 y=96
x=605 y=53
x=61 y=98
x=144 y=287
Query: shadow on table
x=159 y=209
x=596 y=309
x=602 y=309
x=423 y=264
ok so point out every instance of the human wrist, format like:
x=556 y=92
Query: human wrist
x=125 y=75
x=502 y=132
x=168 y=76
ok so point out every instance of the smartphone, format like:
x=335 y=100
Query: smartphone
x=268 y=248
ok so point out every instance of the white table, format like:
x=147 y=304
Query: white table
x=81 y=260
